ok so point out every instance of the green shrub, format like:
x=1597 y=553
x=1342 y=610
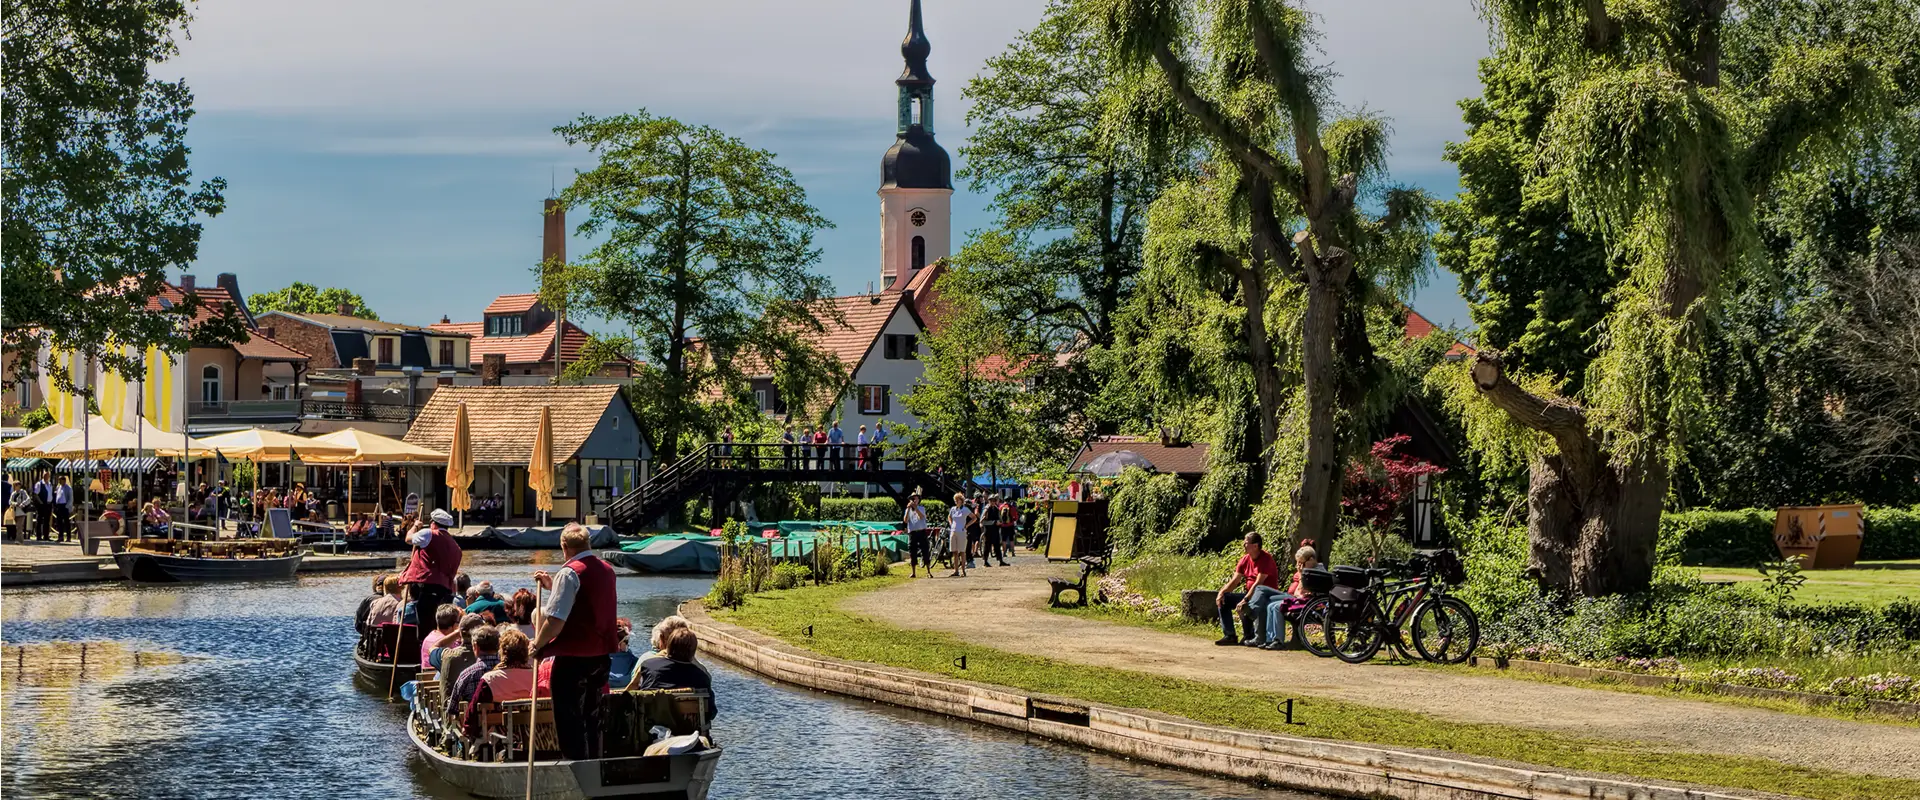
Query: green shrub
x=788 y=574
x=1363 y=545
x=872 y=509
x=1744 y=538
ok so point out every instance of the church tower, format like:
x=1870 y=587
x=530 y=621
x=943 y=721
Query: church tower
x=916 y=176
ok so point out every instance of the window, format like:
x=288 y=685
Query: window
x=210 y=384
x=386 y=350
x=760 y=399
x=446 y=352
x=280 y=392
x=504 y=326
x=874 y=399
x=902 y=347
x=919 y=252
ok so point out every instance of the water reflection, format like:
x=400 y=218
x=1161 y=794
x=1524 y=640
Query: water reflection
x=247 y=691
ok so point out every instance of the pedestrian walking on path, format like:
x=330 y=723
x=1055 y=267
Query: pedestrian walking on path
x=958 y=518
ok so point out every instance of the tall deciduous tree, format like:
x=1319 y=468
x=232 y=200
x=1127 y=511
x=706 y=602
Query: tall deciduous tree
x=306 y=298
x=1239 y=72
x=1071 y=188
x=99 y=199
x=707 y=255
x=1667 y=124
x=971 y=400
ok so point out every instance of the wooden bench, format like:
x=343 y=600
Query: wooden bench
x=1088 y=565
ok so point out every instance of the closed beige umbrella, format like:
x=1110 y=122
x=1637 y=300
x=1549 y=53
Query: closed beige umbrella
x=460 y=465
x=540 y=464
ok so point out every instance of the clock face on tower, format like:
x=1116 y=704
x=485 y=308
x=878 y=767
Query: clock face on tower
x=917 y=217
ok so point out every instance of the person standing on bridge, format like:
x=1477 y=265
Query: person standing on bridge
x=879 y=444
x=787 y=447
x=820 y=448
x=837 y=442
x=726 y=447
x=860 y=448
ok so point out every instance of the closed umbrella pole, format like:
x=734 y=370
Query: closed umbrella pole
x=460 y=465
x=540 y=465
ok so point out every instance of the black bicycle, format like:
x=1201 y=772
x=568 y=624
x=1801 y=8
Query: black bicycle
x=1364 y=611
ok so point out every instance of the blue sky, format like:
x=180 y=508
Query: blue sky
x=402 y=149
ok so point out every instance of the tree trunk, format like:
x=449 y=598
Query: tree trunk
x=1592 y=525
x=1317 y=505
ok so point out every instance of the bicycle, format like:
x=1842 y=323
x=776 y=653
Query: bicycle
x=1365 y=612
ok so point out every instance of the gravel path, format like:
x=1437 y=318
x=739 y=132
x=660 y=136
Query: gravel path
x=1005 y=608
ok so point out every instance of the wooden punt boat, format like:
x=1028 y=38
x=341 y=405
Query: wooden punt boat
x=683 y=776
x=379 y=671
x=170 y=560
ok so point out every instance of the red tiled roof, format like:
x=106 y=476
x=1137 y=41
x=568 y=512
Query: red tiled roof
x=213 y=301
x=512 y=304
x=533 y=348
x=259 y=346
x=502 y=420
x=1419 y=327
x=1184 y=459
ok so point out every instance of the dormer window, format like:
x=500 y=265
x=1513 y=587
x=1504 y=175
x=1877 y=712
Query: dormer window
x=505 y=325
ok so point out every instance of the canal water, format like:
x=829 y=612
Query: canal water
x=247 y=691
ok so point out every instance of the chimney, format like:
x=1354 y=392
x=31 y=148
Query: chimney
x=443 y=379
x=344 y=309
x=492 y=366
x=554 y=243
x=363 y=366
x=446 y=320
x=186 y=284
x=354 y=395
x=267 y=331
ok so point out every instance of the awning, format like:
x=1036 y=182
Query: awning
x=13 y=433
x=198 y=430
x=120 y=464
x=28 y=462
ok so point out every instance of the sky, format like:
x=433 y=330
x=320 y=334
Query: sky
x=402 y=149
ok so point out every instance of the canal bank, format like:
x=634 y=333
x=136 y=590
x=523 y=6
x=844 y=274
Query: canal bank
x=44 y=563
x=246 y=690
x=1298 y=763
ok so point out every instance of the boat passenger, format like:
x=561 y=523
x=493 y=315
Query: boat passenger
x=679 y=670
x=386 y=610
x=366 y=603
x=485 y=603
x=446 y=623
x=485 y=645
x=520 y=610
x=657 y=643
x=456 y=651
x=623 y=663
x=578 y=629
x=510 y=679
x=460 y=585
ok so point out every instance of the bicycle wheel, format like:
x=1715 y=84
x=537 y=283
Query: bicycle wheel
x=1445 y=631
x=1309 y=627
x=1354 y=640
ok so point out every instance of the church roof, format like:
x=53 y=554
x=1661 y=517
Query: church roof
x=916 y=161
x=915 y=49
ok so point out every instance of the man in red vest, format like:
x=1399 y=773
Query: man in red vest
x=577 y=629
x=435 y=562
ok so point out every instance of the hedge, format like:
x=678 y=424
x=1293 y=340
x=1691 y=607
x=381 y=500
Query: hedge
x=1744 y=538
x=873 y=509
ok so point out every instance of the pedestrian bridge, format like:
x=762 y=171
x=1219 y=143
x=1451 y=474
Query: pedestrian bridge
x=720 y=471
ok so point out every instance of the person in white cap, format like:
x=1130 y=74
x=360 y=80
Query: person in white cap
x=436 y=560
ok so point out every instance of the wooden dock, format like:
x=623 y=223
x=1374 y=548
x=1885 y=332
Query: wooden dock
x=40 y=563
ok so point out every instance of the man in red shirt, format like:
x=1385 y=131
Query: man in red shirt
x=1260 y=576
x=435 y=562
x=578 y=629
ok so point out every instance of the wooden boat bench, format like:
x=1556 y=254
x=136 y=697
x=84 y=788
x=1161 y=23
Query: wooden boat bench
x=1088 y=566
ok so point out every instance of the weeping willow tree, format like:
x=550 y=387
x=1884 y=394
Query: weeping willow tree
x=1667 y=121
x=1278 y=217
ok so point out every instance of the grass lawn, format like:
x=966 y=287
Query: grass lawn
x=1867 y=582
x=786 y=615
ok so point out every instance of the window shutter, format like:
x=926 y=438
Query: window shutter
x=886 y=400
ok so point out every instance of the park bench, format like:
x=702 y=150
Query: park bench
x=1088 y=566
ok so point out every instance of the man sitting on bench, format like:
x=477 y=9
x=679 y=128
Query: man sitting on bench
x=1260 y=574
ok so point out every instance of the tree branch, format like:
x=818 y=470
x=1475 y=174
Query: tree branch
x=1214 y=121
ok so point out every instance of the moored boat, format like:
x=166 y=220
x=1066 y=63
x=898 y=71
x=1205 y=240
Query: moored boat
x=375 y=664
x=170 y=560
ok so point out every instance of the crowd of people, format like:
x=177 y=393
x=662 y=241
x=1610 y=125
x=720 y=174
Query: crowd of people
x=810 y=448
x=485 y=646
x=985 y=527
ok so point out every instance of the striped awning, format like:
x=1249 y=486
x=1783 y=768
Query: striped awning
x=121 y=464
x=27 y=462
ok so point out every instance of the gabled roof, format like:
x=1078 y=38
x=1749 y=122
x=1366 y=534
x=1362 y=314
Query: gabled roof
x=512 y=304
x=863 y=318
x=1419 y=327
x=502 y=420
x=259 y=346
x=533 y=348
x=213 y=299
x=1180 y=459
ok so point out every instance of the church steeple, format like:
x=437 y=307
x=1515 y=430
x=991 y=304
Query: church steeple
x=916 y=175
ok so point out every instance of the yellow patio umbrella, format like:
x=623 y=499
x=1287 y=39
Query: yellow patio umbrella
x=26 y=445
x=460 y=465
x=372 y=448
x=540 y=464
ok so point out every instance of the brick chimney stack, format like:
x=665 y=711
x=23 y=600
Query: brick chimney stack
x=363 y=366
x=345 y=309
x=492 y=366
x=186 y=284
x=554 y=241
